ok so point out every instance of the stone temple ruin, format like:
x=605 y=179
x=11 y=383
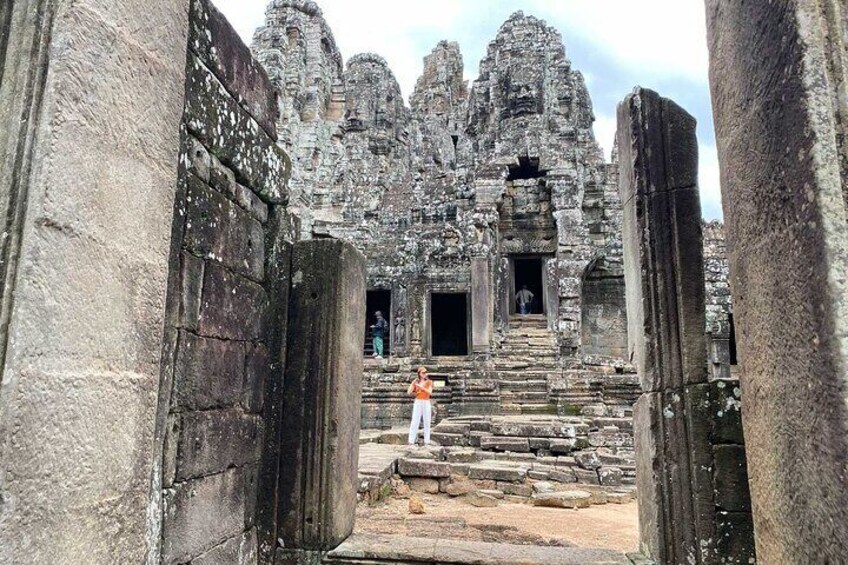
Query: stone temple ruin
x=196 y=234
x=458 y=201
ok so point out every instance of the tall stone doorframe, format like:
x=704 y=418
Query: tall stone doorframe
x=778 y=73
x=91 y=98
x=693 y=504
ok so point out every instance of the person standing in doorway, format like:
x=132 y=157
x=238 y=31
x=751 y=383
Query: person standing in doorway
x=422 y=388
x=524 y=298
x=378 y=330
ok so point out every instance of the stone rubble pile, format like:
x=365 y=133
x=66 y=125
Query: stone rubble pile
x=520 y=459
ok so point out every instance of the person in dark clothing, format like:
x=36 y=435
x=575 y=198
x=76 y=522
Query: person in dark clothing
x=379 y=330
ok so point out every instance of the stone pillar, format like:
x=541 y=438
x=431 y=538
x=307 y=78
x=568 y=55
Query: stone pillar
x=321 y=399
x=778 y=75
x=481 y=301
x=665 y=314
x=91 y=98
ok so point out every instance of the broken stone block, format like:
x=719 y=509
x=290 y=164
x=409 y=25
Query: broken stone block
x=565 y=499
x=423 y=468
x=526 y=429
x=543 y=487
x=528 y=458
x=537 y=443
x=421 y=484
x=605 y=439
x=457 y=486
x=459 y=468
x=599 y=497
x=563 y=475
x=562 y=446
x=498 y=473
x=586 y=476
x=618 y=498
x=394 y=437
x=481 y=500
x=464 y=456
x=485 y=484
x=447 y=439
x=401 y=490
x=452 y=428
x=587 y=459
x=475 y=437
x=494 y=493
x=416 y=505
x=514 y=489
x=609 y=476
x=497 y=443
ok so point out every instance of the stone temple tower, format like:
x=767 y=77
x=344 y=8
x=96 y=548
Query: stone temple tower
x=459 y=200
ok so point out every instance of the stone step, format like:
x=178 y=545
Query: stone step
x=524 y=397
x=529 y=408
x=523 y=384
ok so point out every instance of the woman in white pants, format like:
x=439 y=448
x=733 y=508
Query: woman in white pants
x=422 y=388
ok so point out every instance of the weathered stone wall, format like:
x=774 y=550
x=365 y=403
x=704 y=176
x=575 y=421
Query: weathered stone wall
x=223 y=325
x=778 y=76
x=90 y=103
x=721 y=334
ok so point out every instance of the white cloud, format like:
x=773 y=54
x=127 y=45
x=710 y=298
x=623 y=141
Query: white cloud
x=709 y=182
x=651 y=38
x=656 y=37
x=605 y=126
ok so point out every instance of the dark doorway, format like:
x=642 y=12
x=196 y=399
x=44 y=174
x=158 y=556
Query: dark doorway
x=377 y=300
x=528 y=272
x=733 y=359
x=449 y=327
x=527 y=168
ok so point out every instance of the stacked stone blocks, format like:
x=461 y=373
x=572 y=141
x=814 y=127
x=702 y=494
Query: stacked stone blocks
x=217 y=361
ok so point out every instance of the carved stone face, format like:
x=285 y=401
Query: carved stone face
x=523 y=97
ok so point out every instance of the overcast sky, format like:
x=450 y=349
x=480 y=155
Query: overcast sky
x=617 y=44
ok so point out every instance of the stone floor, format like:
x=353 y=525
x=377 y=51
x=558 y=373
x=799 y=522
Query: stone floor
x=368 y=549
x=469 y=518
x=611 y=526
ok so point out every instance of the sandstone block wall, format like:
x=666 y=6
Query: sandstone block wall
x=91 y=97
x=223 y=325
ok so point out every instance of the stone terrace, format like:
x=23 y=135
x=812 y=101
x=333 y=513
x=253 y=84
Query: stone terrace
x=521 y=457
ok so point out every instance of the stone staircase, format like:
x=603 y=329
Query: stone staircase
x=527 y=356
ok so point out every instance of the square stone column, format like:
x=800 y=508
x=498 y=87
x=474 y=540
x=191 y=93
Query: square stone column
x=481 y=305
x=778 y=72
x=319 y=448
x=91 y=98
x=663 y=263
